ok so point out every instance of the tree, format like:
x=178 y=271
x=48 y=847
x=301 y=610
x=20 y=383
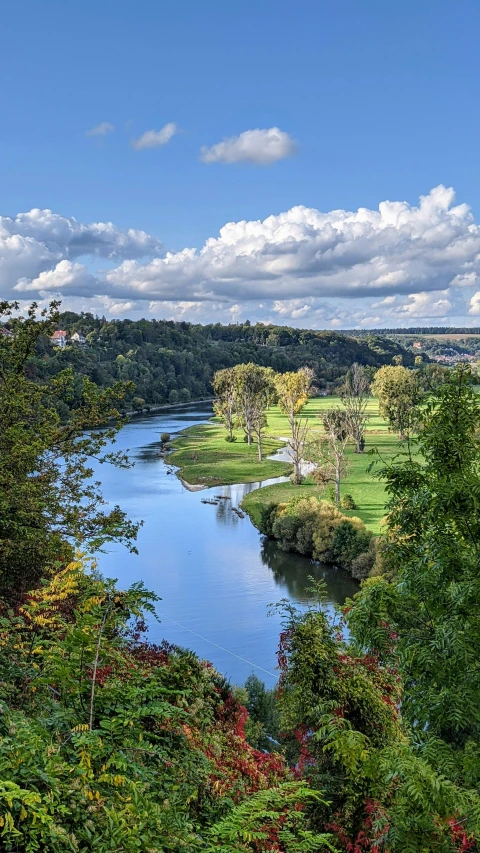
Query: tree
x=432 y=550
x=252 y=391
x=398 y=395
x=225 y=405
x=424 y=622
x=329 y=452
x=48 y=434
x=354 y=396
x=292 y=393
x=432 y=376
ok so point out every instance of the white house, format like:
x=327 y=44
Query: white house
x=59 y=339
x=77 y=338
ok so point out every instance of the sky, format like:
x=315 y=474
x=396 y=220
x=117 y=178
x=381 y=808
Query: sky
x=310 y=164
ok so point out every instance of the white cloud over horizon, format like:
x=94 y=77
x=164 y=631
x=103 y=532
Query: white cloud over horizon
x=262 y=147
x=156 y=138
x=399 y=265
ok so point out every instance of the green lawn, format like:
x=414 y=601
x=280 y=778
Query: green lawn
x=219 y=462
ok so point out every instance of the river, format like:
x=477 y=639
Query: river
x=215 y=573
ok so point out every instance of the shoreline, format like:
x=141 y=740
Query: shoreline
x=153 y=409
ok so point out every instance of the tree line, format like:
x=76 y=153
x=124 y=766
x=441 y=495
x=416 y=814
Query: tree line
x=171 y=362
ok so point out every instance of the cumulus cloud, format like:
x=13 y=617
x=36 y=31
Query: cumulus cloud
x=37 y=241
x=262 y=147
x=397 y=249
x=101 y=129
x=396 y=265
x=66 y=277
x=156 y=138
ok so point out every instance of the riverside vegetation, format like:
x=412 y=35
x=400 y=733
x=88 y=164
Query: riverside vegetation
x=330 y=432
x=109 y=743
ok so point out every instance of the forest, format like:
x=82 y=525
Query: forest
x=172 y=362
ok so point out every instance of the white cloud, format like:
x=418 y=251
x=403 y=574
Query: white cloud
x=426 y=305
x=399 y=249
x=395 y=266
x=36 y=242
x=101 y=129
x=262 y=147
x=64 y=278
x=474 y=304
x=156 y=138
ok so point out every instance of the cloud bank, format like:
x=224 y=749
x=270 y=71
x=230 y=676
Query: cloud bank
x=398 y=265
x=262 y=147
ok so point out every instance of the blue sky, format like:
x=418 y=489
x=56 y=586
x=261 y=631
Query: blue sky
x=379 y=99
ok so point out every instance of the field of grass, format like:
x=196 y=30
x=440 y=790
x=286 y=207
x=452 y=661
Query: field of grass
x=204 y=457
x=444 y=337
x=367 y=492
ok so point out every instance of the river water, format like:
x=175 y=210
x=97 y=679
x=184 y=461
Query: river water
x=215 y=573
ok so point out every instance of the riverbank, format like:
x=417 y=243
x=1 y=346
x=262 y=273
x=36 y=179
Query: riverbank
x=205 y=458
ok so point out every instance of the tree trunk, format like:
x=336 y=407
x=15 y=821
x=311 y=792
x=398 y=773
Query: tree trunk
x=297 y=473
x=337 y=486
x=259 y=448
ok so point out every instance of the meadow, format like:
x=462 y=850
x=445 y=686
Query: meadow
x=205 y=458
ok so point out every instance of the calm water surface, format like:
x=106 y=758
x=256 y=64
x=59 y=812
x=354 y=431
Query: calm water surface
x=215 y=573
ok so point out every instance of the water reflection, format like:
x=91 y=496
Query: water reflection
x=292 y=571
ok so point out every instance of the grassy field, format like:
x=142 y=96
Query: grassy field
x=204 y=457
x=367 y=492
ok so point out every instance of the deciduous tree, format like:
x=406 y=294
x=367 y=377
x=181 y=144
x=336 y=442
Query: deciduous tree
x=329 y=452
x=48 y=500
x=398 y=395
x=253 y=388
x=292 y=393
x=354 y=396
x=225 y=402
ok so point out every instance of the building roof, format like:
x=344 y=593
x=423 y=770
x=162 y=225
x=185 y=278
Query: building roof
x=59 y=334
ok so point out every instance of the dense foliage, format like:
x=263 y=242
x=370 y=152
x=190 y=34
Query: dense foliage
x=388 y=723
x=318 y=529
x=47 y=501
x=172 y=362
x=111 y=744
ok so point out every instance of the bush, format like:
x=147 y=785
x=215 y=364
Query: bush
x=347 y=502
x=267 y=517
x=350 y=539
x=363 y=564
x=230 y=438
x=165 y=437
x=317 y=529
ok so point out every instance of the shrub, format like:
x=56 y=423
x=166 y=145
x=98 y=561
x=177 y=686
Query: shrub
x=267 y=517
x=230 y=438
x=165 y=437
x=362 y=565
x=317 y=529
x=347 y=502
x=350 y=539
